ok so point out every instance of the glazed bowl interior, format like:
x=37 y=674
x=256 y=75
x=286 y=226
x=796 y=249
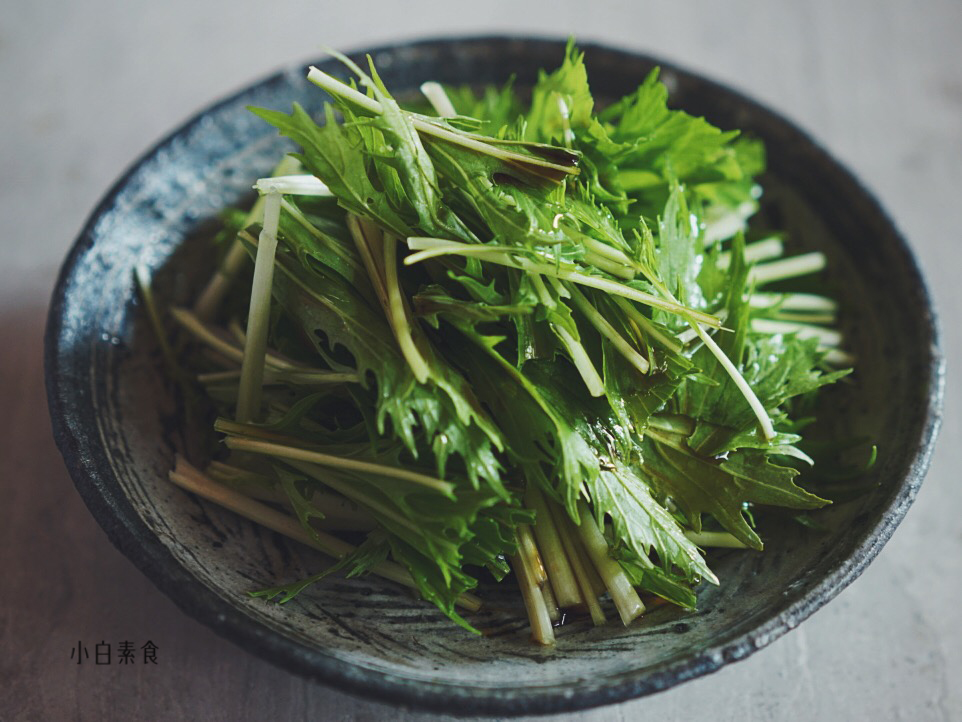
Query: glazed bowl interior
x=119 y=420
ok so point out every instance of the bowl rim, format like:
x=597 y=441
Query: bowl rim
x=125 y=528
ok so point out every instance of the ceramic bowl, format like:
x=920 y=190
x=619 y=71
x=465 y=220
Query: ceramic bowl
x=118 y=420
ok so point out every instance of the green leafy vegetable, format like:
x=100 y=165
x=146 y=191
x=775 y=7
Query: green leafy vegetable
x=547 y=304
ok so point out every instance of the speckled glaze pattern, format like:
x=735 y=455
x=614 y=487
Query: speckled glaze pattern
x=118 y=420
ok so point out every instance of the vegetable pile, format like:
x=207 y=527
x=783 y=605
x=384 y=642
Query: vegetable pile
x=496 y=338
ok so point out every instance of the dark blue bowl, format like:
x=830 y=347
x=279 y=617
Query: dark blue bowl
x=118 y=420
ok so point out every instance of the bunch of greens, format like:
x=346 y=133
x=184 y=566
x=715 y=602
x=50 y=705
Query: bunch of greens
x=512 y=338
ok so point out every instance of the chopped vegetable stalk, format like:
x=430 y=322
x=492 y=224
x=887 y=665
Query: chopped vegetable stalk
x=715 y=539
x=825 y=336
x=764 y=421
x=602 y=284
x=439 y=100
x=252 y=367
x=560 y=574
x=763 y=250
x=542 y=630
x=337 y=462
x=187 y=477
x=398 y=312
x=582 y=571
x=622 y=592
x=794 y=302
x=292 y=185
x=213 y=294
x=608 y=331
x=787 y=268
x=529 y=552
x=554 y=612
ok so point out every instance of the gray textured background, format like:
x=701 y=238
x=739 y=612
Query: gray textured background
x=86 y=87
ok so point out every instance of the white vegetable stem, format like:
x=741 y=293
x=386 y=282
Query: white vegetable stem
x=193 y=325
x=690 y=334
x=292 y=185
x=609 y=332
x=787 y=268
x=825 y=336
x=553 y=555
x=539 y=615
x=646 y=326
x=794 y=302
x=625 y=597
x=542 y=631
x=438 y=99
x=258 y=315
x=439 y=246
x=397 y=312
x=338 y=462
x=768 y=430
x=210 y=298
x=187 y=477
x=758 y=251
x=579 y=565
x=581 y=360
x=425 y=127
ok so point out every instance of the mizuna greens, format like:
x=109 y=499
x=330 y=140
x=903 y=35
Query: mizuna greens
x=499 y=337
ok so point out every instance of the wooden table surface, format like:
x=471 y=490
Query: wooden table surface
x=86 y=87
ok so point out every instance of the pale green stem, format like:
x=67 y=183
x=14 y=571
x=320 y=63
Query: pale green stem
x=541 y=290
x=690 y=334
x=608 y=266
x=338 y=89
x=539 y=615
x=142 y=277
x=787 y=268
x=560 y=574
x=397 y=312
x=794 y=302
x=275 y=377
x=763 y=250
x=554 y=611
x=624 y=596
x=825 y=336
x=210 y=298
x=718 y=539
x=610 y=252
x=190 y=479
x=571 y=545
x=602 y=284
x=369 y=240
x=581 y=360
x=258 y=315
x=528 y=550
x=768 y=430
x=726 y=226
x=601 y=325
x=836 y=357
x=579 y=356
x=340 y=513
x=646 y=326
x=338 y=462
x=190 y=323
